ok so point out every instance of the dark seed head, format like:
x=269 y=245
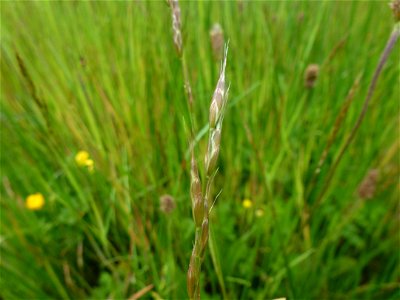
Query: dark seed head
x=311 y=75
x=167 y=204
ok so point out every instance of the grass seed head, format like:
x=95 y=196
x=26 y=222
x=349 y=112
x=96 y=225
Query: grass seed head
x=367 y=187
x=217 y=41
x=311 y=75
x=167 y=204
x=395 y=6
x=176 y=24
x=217 y=107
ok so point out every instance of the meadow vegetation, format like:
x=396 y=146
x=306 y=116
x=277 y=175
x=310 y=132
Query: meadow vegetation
x=96 y=150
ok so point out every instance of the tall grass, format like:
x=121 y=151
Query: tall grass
x=104 y=77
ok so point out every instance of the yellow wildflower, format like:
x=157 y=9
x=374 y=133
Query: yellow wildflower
x=259 y=213
x=81 y=158
x=247 y=203
x=89 y=164
x=34 y=201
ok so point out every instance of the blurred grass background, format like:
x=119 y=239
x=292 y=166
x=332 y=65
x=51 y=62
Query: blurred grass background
x=104 y=77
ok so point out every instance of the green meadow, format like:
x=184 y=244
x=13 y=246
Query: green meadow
x=96 y=131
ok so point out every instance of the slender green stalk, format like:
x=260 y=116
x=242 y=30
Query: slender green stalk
x=385 y=54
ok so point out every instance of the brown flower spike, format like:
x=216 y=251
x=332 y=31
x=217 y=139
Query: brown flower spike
x=311 y=75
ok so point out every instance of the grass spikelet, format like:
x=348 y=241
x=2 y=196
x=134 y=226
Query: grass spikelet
x=219 y=97
x=196 y=193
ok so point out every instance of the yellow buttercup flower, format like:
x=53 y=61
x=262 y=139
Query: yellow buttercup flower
x=81 y=157
x=34 y=201
x=89 y=164
x=247 y=203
